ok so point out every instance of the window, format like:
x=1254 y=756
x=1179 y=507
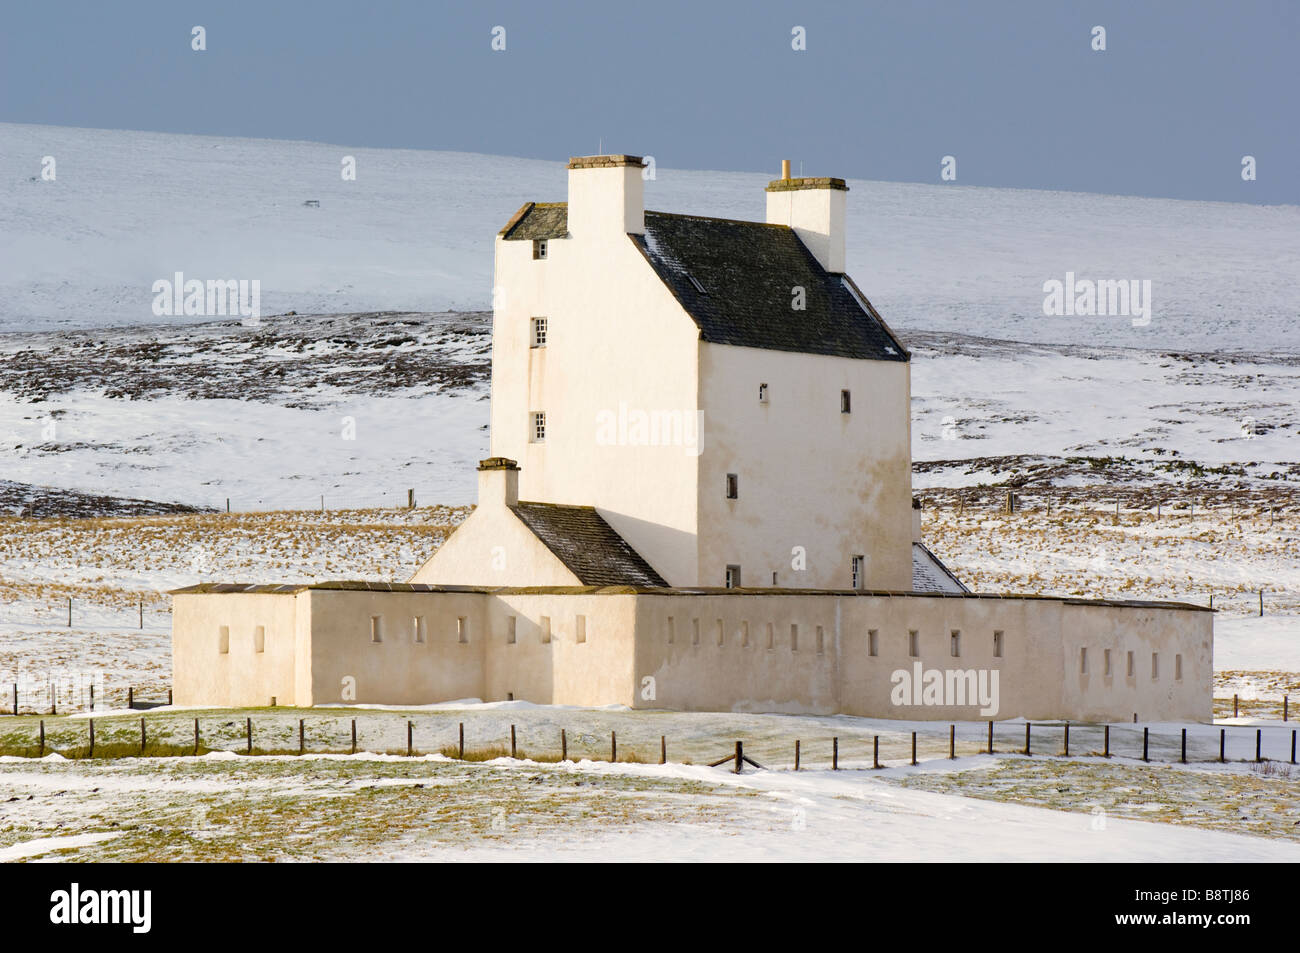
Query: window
x=580 y=629
x=539 y=249
x=873 y=642
x=259 y=639
x=733 y=486
x=821 y=641
x=762 y=393
x=997 y=644
x=695 y=632
x=1105 y=662
x=1155 y=665
x=914 y=643
x=695 y=283
x=672 y=633
x=733 y=577
x=544 y=624
x=539 y=426
x=510 y=630
x=1178 y=668
x=1130 y=665
x=418 y=630
x=462 y=630
x=858 y=576
x=721 y=634
x=954 y=643
x=376 y=629
x=538 y=335
x=223 y=640
x=771 y=637
x=744 y=635
x=774 y=577
x=1083 y=661
x=794 y=637
x=846 y=405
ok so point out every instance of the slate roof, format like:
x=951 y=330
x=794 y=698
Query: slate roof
x=587 y=545
x=930 y=575
x=747 y=271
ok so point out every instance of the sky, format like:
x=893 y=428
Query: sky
x=1012 y=90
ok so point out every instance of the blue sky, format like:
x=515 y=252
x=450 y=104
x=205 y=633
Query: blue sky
x=884 y=90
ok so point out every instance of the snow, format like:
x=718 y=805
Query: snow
x=1270 y=642
x=46 y=845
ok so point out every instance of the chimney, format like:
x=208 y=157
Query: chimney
x=814 y=208
x=498 y=482
x=606 y=196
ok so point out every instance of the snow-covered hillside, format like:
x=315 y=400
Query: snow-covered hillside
x=414 y=232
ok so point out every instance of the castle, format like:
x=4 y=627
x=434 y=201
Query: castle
x=698 y=497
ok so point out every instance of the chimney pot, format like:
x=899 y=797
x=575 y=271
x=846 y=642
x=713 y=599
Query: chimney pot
x=785 y=168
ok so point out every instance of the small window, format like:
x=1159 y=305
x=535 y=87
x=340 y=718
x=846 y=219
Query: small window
x=914 y=643
x=846 y=402
x=744 y=635
x=545 y=627
x=1178 y=668
x=1105 y=662
x=821 y=641
x=376 y=629
x=771 y=637
x=762 y=393
x=873 y=642
x=733 y=577
x=773 y=577
x=223 y=640
x=418 y=630
x=695 y=283
x=997 y=644
x=539 y=249
x=954 y=643
x=1155 y=665
x=510 y=630
x=733 y=486
x=538 y=334
x=672 y=633
x=794 y=637
x=859 y=562
x=695 y=632
x=462 y=630
x=1131 y=668
x=259 y=639
x=1083 y=661
x=580 y=629
x=721 y=634
x=539 y=426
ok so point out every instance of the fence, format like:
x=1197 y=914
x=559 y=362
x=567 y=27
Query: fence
x=68 y=695
x=1205 y=744
x=321 y=503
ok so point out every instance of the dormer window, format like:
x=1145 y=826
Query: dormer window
x=695 y=283
x=538 y=335
x=539 y=249
x=762 y=393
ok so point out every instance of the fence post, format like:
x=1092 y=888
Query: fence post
x=69 y=612
x=92 y=697
x=796 y=754
x=196 y=737
x=141 y=613
x=41 y=749
x=142 y=735
x=914 y=747
x=410 y=499
x=410 y=731
x=130 y=697
x=1223 y=739
x=91 y=754
x=248 y=728
x=461 y=754
x=1292 y=742
x=1234 y=705
x=1285 y=699
x=354 y=736
x=613 y=746
x=835 y=754
x=512 y=741
x=1145 y=738
x=15 y=699
x=952 y=742
x=1028 y=752
x=875 y=751
x=1106 y=754
x=1184 y=754
x=663 y=749
x=990 y=737
x=1259 y=735
x=564 y=745
x=1066 y=754
x=740 y=755
x=169 y=697
x=302 y=742
x=1261 y=603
